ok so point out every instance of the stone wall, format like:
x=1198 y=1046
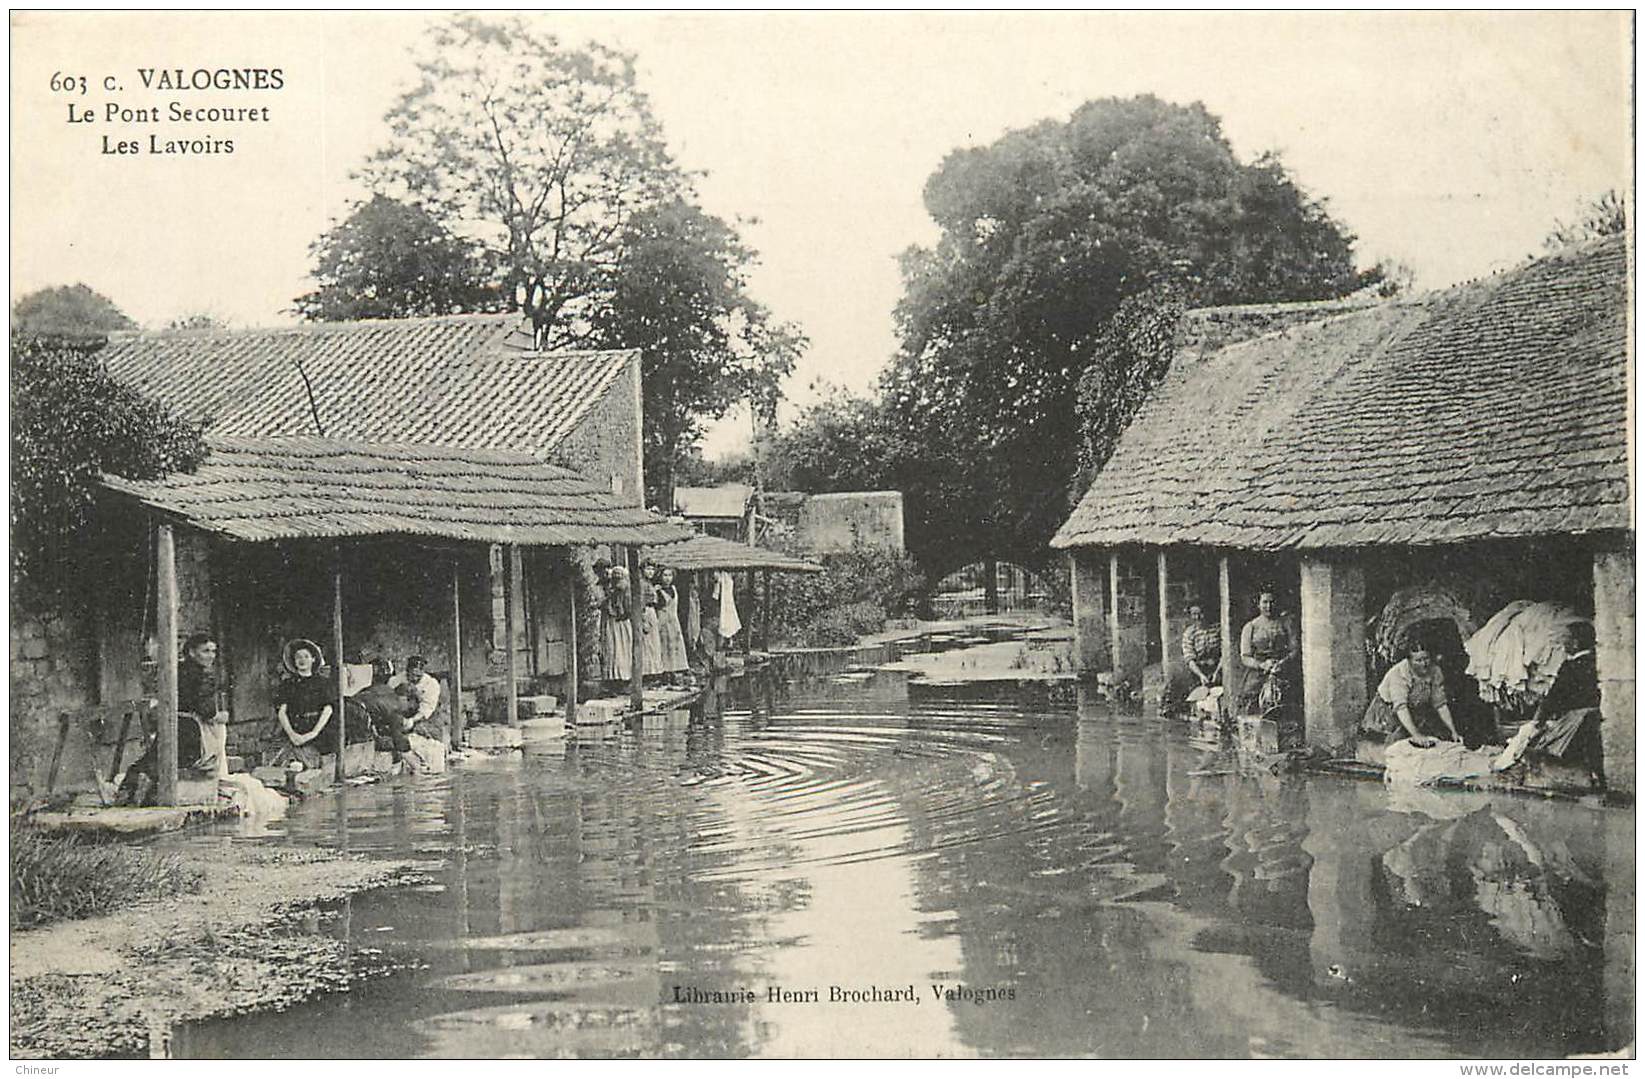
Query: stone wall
x=837 y=522
x=606 y=446
x=53 y=669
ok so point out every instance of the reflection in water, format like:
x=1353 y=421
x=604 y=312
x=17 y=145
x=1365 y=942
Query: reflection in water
x=1096 y=882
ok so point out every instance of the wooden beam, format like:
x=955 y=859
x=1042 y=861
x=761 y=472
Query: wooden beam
x=572 y=663
x=165 y=575
x=636 y=612
x=1114 y=615
x=1165 y=619
x=456 y=651
x=511 y=595
x=337 y=656
x=765 y=610
x=1233 y=672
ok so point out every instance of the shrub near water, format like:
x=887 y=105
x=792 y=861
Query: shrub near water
x=54 y=877
x=854 y=595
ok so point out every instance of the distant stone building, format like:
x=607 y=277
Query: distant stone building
x=1343 y=451
x=840 y=521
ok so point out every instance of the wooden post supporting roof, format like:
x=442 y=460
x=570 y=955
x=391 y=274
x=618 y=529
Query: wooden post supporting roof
x=165 y=575
x=337 y=659
x=765 y=612
x=571 y=660
x=511 y=596
x=1233 y=672
x=456 y=651
x=636 y=614
x=1114 y=617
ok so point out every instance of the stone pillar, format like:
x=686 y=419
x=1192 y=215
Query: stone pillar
x=1127 y=619
x=1088 y=575
x=1176 y=594
x=1614 y=654
x=1333 y=650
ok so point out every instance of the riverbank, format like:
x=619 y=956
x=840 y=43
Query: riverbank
x=249 y=940
x=1036 y=648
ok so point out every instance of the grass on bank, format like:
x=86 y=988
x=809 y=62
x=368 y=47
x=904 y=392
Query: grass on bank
x=56 y=877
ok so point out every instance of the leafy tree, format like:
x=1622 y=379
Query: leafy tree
x=68 y=313
x=71 y=422
x=1044 y=234
x=678 y=296
x=843 y=442
x=695 y=470
x=545 y=152
x=391 y=260
x=199 y=320
x=1605 y=216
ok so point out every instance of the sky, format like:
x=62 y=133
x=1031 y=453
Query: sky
x=1451 y=142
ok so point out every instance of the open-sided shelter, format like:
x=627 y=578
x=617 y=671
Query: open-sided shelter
x=424 y=486
x=1342 y=451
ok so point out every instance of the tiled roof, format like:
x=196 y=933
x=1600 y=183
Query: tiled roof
x=727 y=500
x=713 y=553
x=1496 y=408
x=462 y=380
x=307 y=488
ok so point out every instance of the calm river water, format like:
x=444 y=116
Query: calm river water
x=1096 y=882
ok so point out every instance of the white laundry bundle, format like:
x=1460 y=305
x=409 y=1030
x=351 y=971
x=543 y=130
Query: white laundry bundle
x=251 y=797
x=1413 y=766
x=431 y=754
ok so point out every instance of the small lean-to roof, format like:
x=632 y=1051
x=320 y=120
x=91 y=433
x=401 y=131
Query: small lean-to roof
x=712 y=553
x=1497 y=408
x=729 y=500
x=457 y=380
x=259 y=489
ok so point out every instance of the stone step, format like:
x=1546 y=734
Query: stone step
x=492 y=736
x=540 y=705
x=543 y=728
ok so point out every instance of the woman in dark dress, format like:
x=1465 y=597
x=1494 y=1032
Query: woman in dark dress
x=303 y=706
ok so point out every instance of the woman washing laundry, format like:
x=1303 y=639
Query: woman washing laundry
x=1268 y=647
x=1411 y=702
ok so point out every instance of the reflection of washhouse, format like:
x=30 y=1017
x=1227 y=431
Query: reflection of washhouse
x=1275 y=876
x=1493 y=920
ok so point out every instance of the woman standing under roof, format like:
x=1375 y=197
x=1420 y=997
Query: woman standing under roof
x=650 y=641
x=1268 y=650
x=616 y=629
x=669 y=632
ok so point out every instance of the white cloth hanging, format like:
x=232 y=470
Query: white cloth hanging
x=724 y=588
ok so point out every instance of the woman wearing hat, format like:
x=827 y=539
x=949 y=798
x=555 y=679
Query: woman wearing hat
x=303 y=705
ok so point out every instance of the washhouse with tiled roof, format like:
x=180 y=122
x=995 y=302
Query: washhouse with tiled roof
x=472 y=381
x=1341 y=453
x=431 y=487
